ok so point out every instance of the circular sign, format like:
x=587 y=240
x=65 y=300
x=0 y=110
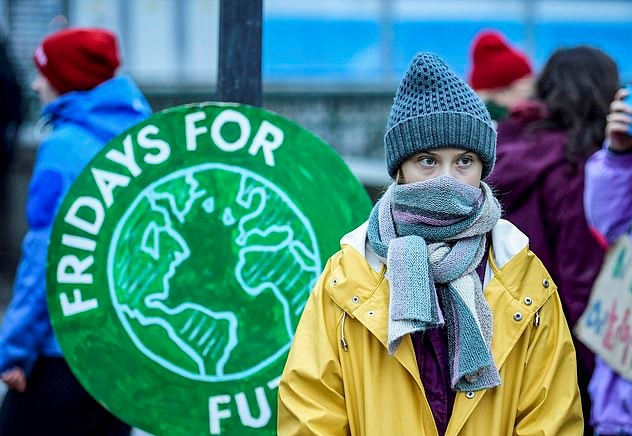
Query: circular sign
x=182 y=257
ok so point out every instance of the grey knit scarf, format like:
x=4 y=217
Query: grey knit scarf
x=432 y=236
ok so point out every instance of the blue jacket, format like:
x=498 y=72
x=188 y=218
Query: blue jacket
x=83 y=122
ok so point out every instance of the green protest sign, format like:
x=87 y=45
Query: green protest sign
x=182 y=257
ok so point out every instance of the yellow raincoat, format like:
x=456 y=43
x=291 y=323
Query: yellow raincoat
x=339 y=378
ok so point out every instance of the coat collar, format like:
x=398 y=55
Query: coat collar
x=516 y=269
x=507 y=241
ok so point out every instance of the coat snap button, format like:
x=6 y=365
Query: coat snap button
x=355 y=299
x=334 y=282
x=545 y=283
x=469 y=395
x=528 y=301
x=371 y=312
x=517 y=316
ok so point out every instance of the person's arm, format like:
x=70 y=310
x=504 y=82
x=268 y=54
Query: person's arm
x=608 y=191
x=549 y=402
x=311 y=399
x=26 y=320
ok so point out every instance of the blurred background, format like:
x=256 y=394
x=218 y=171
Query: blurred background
x=330 y=65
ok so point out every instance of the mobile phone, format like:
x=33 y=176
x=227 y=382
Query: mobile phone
x=628 y=100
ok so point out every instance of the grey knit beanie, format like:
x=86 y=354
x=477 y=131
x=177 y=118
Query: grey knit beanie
x=434 y=108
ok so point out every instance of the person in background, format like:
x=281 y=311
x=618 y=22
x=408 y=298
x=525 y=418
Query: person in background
x=10 y=120
x=540 y=177
x=500 y=74
x=11 y=111
x=87 y=105
x=608 y=203
x=434 y=318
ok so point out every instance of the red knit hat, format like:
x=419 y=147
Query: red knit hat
x=77 y=59
x=495 y=63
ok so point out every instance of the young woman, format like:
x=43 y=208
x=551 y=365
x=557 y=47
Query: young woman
x=539 y=176
x=434 y=318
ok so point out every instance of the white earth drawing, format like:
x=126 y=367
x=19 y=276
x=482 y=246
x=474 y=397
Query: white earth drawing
x=209 y=270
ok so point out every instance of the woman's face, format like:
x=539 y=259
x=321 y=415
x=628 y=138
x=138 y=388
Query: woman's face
x=463 y=165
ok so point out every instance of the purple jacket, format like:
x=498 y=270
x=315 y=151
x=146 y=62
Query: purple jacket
x=542 y=194
x=608 y=200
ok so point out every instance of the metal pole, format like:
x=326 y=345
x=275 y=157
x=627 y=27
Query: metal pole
x=239 y=72
x=530 y=7
x=387 y=40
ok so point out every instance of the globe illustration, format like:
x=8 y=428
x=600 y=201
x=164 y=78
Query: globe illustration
x=209 y=270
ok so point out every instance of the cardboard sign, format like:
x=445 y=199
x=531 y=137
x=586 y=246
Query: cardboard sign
x=182 y=258
x=606 y=325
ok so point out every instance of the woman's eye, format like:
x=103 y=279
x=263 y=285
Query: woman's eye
x=426 y=161
x=465 y=161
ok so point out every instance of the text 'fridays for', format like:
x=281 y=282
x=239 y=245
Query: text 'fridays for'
x=146 y=148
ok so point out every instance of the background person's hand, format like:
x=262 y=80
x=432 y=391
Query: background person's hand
x=14 y=379
x=619 y=122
